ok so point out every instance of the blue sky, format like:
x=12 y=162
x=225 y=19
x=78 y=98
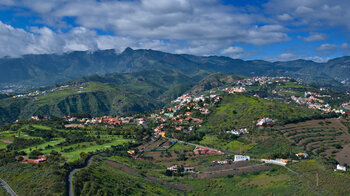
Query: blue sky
x=274 y=30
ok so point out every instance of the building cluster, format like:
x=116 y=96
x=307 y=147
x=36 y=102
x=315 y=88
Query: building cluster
x=264 y=121
x=110 y=120
x=312 y=100
x=60 y=88
x=236 y=159
x=238 y=131
x=41 y=158
x=176 y=169
x=255 y=80
x=235 y=90
x=183 y=120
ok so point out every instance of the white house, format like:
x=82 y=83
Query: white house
x=281 y=162
x=341 y=168
x=261 y=121
x=241 y=158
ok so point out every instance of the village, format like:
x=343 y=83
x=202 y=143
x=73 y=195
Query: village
x=187 y=113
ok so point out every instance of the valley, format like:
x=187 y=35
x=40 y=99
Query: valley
x=220 y=134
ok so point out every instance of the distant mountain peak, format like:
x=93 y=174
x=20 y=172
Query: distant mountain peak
x=128 y=49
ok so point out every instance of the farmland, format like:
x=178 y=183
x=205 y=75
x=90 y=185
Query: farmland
x=329 y=181
x=328 y=138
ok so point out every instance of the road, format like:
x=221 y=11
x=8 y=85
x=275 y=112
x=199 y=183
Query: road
x=70 y=176
x=8 y=188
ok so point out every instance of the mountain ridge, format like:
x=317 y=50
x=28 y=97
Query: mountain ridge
x=31 y=71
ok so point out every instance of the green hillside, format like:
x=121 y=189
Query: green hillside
x=242 y=111
x=112 y=94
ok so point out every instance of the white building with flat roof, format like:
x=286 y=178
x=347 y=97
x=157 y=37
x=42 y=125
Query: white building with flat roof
x=241 y=158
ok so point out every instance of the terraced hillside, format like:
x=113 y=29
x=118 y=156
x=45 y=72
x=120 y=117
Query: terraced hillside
x=328 y=138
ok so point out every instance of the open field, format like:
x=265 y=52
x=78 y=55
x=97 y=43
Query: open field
x=46 y=139
x=235 y=168
x=321 y=137
x=273 y=182
x=329 y=182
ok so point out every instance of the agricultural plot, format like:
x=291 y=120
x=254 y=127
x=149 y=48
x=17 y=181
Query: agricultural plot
x=328 y=138
x=320 y=179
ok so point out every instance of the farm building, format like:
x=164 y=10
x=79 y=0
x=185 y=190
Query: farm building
x=41 y=158
x=302 y=155
x=241 y=158
x=341 y=168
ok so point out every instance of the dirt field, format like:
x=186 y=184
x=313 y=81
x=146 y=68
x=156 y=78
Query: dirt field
x=232 y=169
x=321 y=137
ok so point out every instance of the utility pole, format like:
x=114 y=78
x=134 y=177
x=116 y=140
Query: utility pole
x=317 y=179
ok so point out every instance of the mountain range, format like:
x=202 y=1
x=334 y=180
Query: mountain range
x=31 y=71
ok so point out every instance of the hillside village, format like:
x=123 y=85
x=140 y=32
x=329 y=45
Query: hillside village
x=188 y=112
x=186 y=115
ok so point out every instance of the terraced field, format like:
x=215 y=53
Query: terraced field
x=328 y=137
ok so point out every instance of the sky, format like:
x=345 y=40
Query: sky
x=273 y=30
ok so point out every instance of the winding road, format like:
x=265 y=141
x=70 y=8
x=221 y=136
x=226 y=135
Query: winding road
x=7 y=187
x=70 y=176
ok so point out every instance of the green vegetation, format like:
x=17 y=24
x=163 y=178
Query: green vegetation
x=274 y=147
x=240 y=111
x=179 y=146
x=101 y=179
x=28 y=179
x=112 y=94
x=328 y=180
x=274 y=182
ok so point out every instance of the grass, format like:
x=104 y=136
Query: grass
x=275 y=182
x=75 y=155
x=43 y=145
x=234 y=146
x=273 y=147
x=3 y=145
x=28 y=179
x=101 y=179
x=241 y=111
x=3 y=191
x=179 y=146
x=329 y=181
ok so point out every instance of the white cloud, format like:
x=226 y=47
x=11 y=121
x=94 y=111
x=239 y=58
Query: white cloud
x=314 y=37
x=312 y=13
x=284 y=17
x=162 y=19
x=324 y=47
x=234 y=52
x=330 y=49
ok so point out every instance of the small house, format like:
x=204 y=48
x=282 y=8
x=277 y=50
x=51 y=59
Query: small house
x=241 y=158
x=341 y=168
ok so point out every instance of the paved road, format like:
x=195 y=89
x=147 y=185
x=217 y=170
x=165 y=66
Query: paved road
x=7 y=187
x=70 y=178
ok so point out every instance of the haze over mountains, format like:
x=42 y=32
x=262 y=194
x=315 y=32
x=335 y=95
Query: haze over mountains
x=32 y=71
